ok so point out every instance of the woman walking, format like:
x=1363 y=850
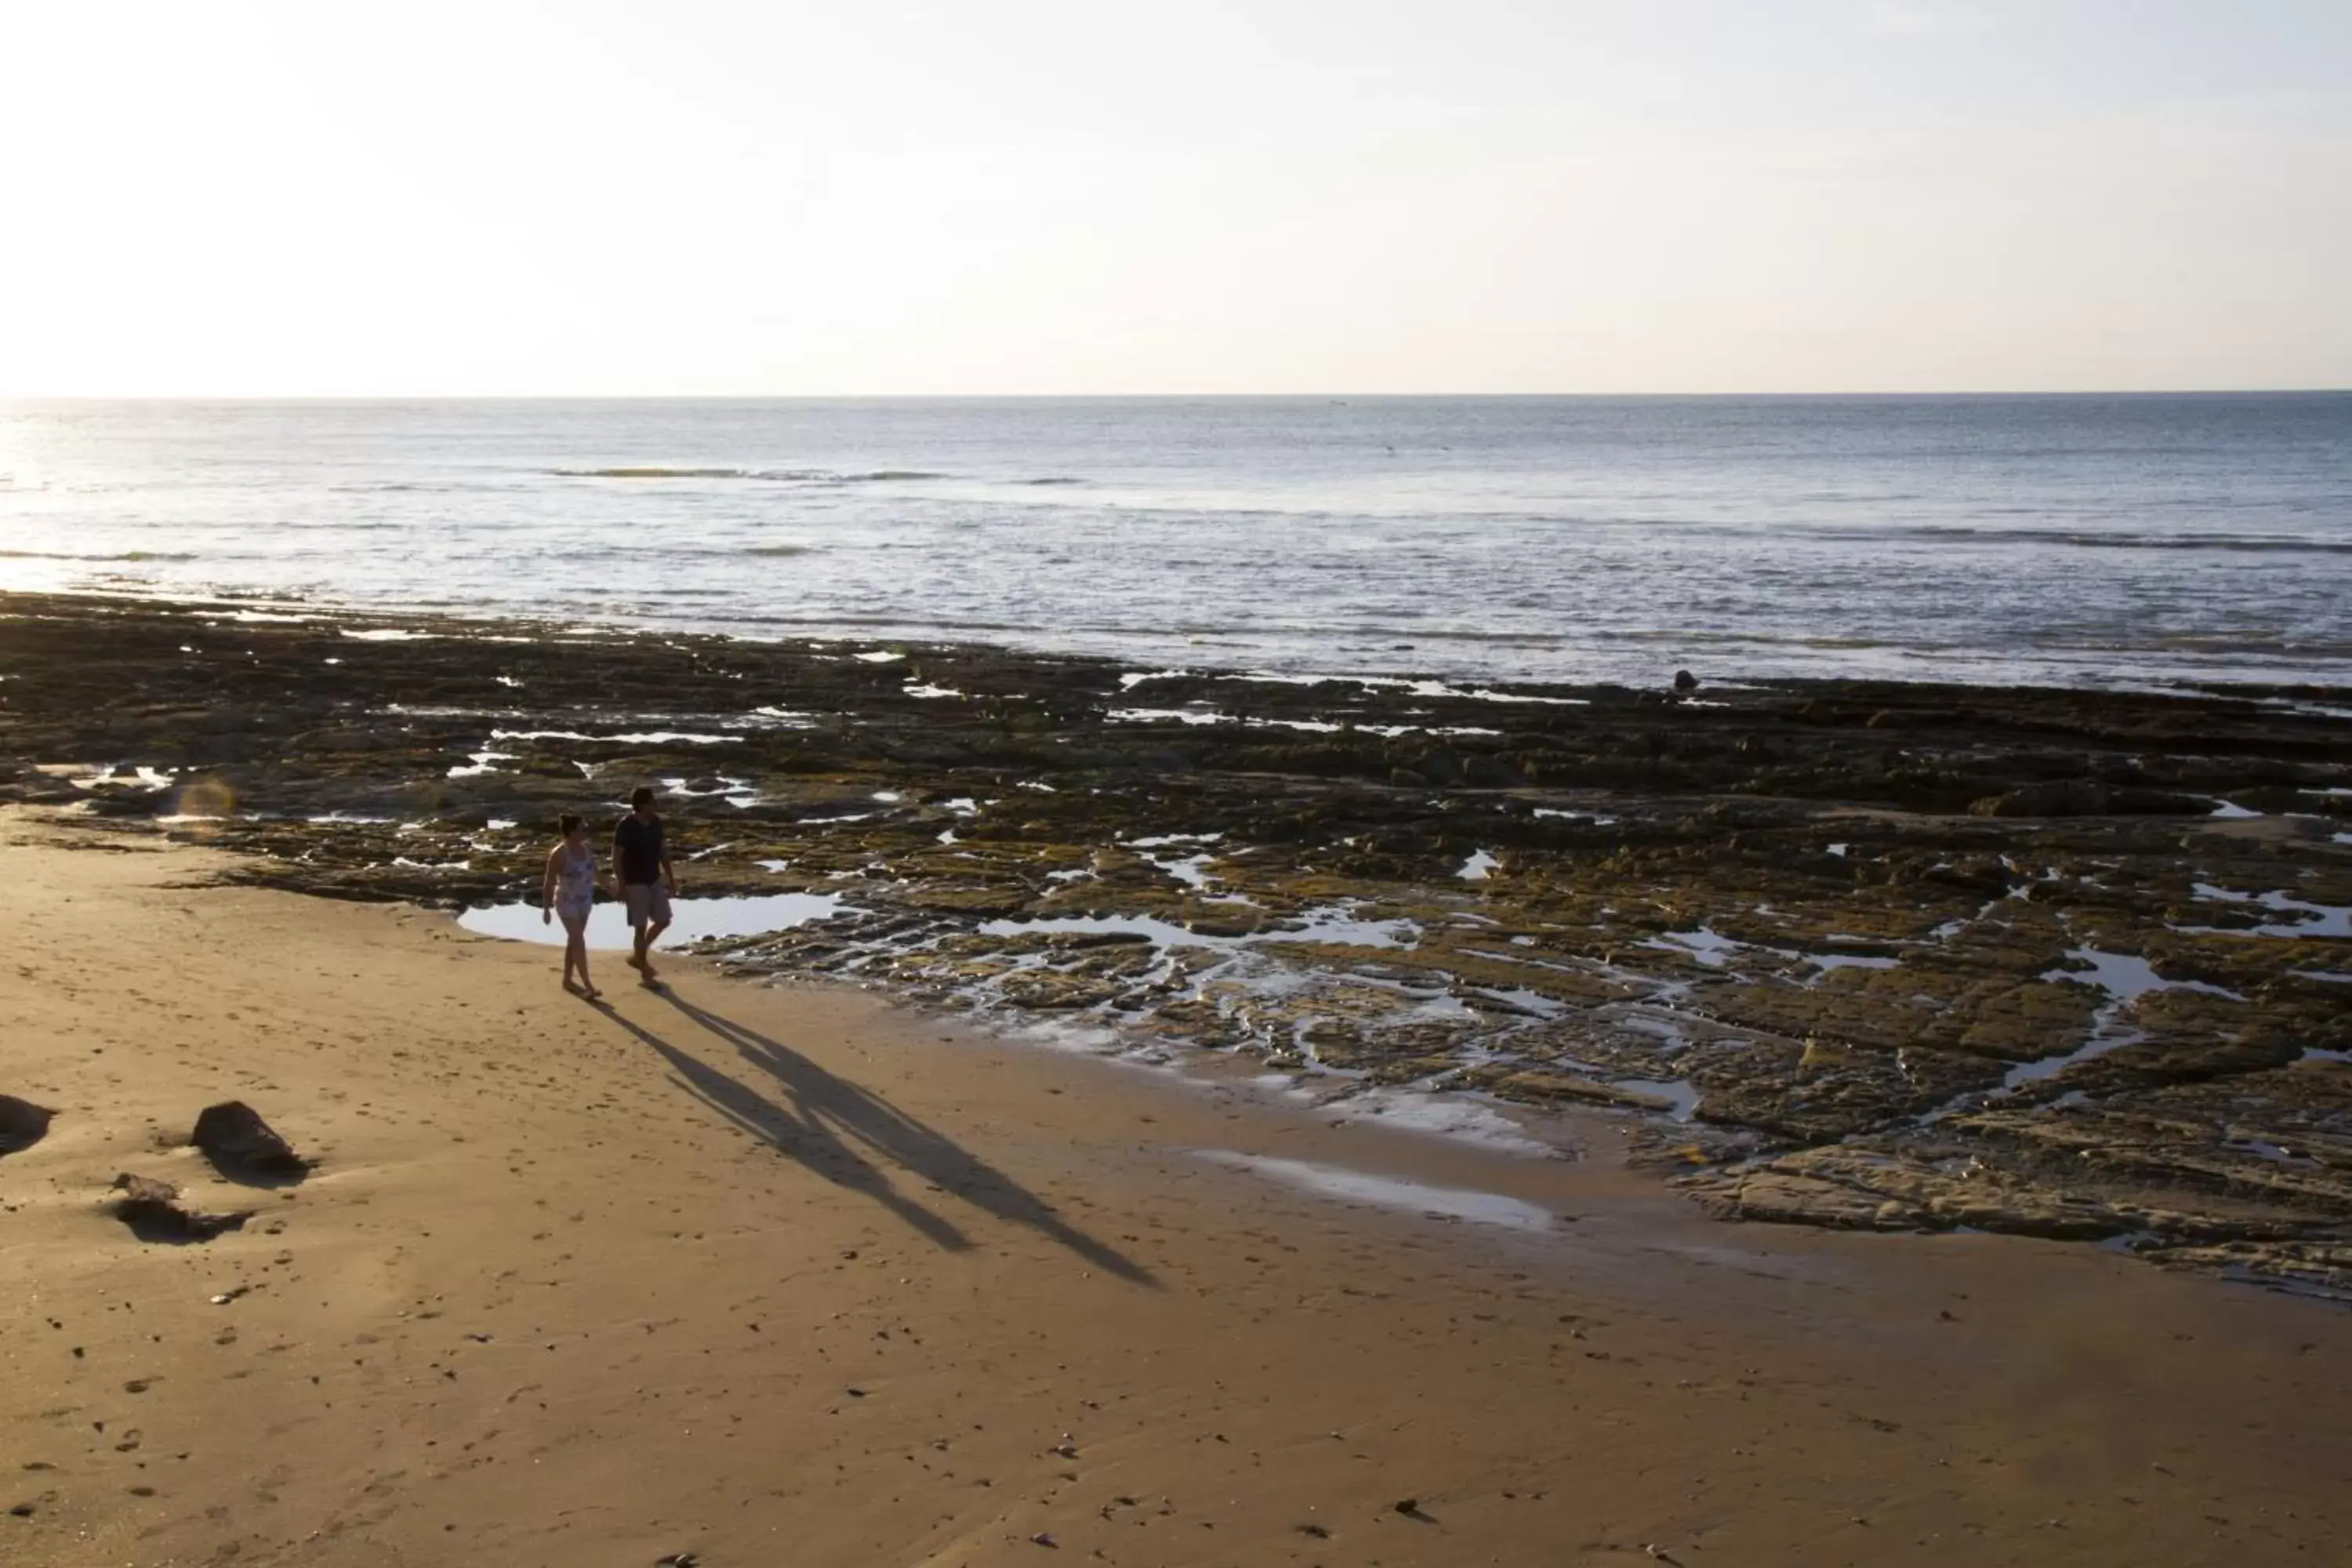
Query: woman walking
x=568 y=890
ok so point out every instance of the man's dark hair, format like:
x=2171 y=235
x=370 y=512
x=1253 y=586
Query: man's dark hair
x=568 y=824
x=642 y=796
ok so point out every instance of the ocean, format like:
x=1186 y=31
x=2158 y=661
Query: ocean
x=2062 y=540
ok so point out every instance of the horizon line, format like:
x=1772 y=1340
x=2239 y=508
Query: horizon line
x=363 y=397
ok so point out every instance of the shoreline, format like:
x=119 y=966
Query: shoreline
x=1858 y=954
x=744 y=1269
x=264 y=605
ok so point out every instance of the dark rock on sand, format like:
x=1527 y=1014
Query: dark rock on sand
x=243 y=1147
x=22 y=1123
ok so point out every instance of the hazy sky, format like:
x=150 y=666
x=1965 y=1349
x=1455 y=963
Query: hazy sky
x=1033 y=196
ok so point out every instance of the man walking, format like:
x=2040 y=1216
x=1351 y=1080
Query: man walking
x=641 y=864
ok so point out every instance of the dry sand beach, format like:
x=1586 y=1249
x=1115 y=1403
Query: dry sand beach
x=786 y=1274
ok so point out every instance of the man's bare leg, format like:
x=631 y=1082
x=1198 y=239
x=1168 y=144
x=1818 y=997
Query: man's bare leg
x=648 y=935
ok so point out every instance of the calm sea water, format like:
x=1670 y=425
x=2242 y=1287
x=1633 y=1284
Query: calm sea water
x=2072 y=540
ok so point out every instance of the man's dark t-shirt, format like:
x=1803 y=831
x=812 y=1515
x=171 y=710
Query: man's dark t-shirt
x=639 y=841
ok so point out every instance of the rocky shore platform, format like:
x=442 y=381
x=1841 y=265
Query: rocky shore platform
x=2069 y=964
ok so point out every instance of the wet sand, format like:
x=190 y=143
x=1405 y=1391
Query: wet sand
x=785 y=1273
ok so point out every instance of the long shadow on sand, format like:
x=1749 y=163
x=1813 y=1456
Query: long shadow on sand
x=840 y=1130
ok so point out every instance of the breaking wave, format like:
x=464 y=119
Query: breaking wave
x=2076 y=539
x=116 y=556
x=772 y=476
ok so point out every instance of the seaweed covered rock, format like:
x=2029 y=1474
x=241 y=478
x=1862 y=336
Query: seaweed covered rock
x=2040 y=954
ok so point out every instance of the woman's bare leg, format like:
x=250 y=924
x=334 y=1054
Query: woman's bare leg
x=575 y=952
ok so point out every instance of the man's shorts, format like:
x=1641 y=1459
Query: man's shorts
x=646 y=901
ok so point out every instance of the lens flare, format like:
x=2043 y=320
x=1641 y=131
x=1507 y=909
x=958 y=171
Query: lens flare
x=207 y=797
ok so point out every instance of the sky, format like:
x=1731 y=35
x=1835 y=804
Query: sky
x=1095 y=196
